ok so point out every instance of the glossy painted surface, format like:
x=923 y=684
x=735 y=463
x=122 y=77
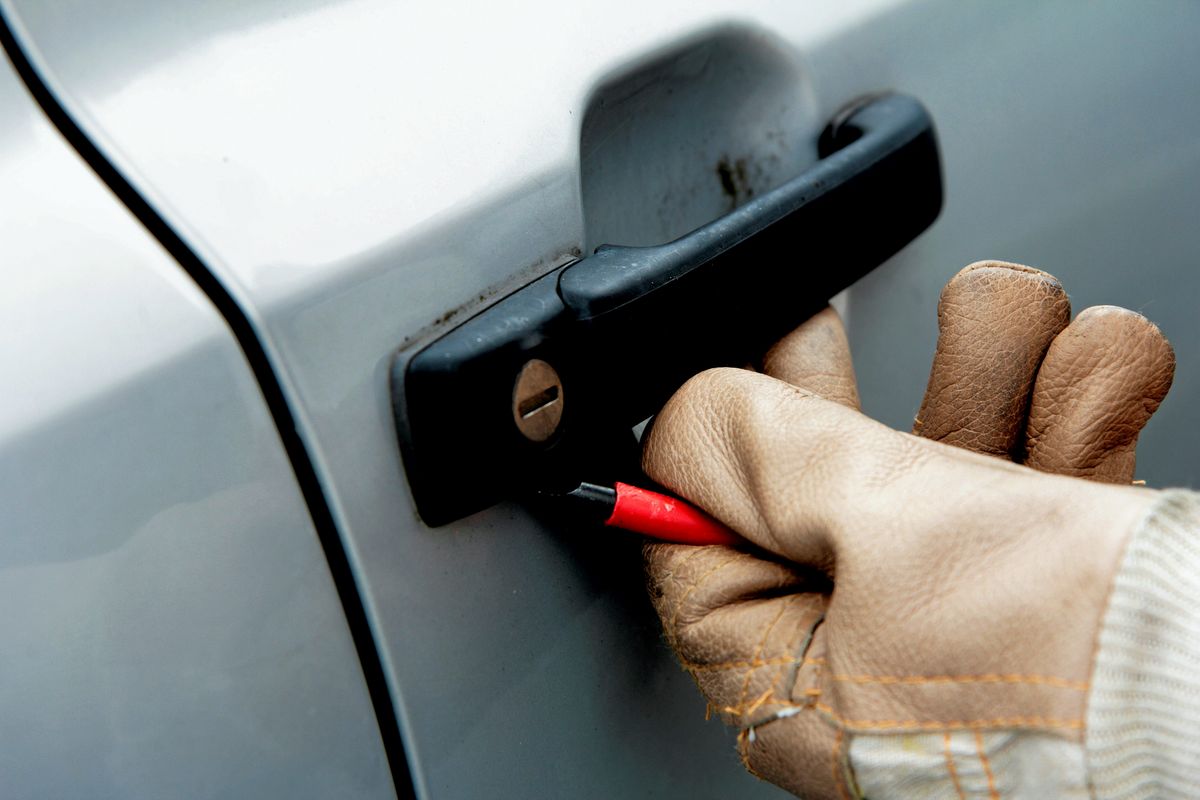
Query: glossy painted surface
x=357 y=170
x=170 y=628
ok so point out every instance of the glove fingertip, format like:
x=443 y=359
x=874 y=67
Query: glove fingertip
x=1100 y=383
x=995 y=322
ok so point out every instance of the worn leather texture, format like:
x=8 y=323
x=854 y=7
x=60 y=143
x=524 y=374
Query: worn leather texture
x=816 y=356
x=1102 y=379
x=968 y=589
x=995 y=322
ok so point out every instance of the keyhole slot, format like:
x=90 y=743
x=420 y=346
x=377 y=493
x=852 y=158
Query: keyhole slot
x=532 y=405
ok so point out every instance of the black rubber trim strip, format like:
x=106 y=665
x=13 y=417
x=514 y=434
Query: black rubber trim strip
x=268 y=382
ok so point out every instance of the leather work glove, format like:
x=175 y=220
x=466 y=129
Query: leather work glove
x=921 y=613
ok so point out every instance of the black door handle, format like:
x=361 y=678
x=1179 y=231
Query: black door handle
x=547 y=383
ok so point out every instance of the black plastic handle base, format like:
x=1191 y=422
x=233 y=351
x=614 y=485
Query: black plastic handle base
x=626 y=326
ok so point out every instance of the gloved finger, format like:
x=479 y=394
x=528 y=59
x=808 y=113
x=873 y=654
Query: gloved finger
x=814 y=481
x=995 y=322
x=767 y=458
x=740 y=624
x=816 y=357
x=1101 y=380
x=745 y=628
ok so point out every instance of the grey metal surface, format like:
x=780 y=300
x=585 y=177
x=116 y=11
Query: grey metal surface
x=355 y=171
x=673 y=141
x=170 y=628
x=1071 y=137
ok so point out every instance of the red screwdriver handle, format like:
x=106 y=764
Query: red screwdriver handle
x=666 y=518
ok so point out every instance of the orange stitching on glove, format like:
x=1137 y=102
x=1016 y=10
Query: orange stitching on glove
x=976 y=724
x=743 y=709
x=914 y=724
x=766 y=698
x=918 y=680
x=950 y=767
x=904 y=680
x=762 y=643
x=987 y=767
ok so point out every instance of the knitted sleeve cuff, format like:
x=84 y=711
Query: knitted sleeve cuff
x=1143 y=720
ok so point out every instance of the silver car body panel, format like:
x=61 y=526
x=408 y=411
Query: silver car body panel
x=357 y=172
x=170 y=626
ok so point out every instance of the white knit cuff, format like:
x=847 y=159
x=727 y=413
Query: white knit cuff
x=1143 y=720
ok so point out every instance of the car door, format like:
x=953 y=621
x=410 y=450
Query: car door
x=171 y=626
x=358 y=175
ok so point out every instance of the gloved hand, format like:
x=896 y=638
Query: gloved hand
x=924 y=604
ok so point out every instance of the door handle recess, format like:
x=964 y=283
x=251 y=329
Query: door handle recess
x=546 y=384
